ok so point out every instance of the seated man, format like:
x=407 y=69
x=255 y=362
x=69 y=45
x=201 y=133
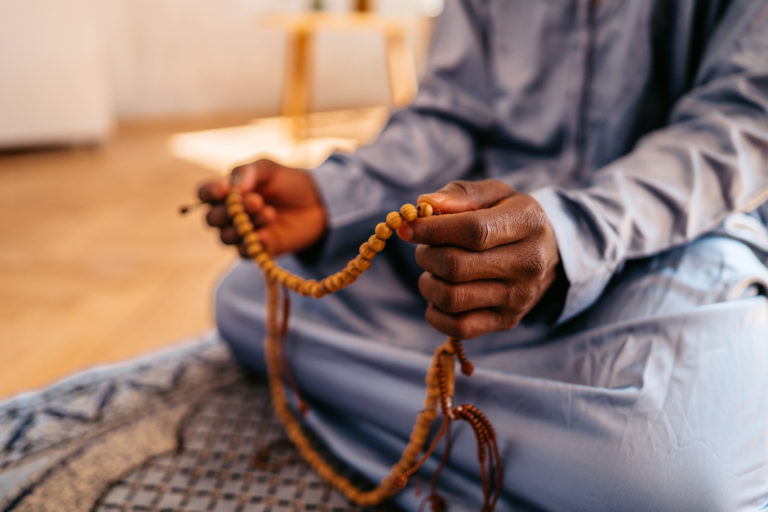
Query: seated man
x=606 y=254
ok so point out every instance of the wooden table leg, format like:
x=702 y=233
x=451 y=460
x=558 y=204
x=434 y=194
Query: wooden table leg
x=296 y=84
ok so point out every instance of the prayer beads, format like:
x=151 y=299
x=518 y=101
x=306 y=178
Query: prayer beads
x=439 y=379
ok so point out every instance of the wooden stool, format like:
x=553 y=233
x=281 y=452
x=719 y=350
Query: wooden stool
x=301 y=29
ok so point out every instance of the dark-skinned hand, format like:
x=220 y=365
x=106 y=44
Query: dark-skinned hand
x=487 y=262
x=283 y=203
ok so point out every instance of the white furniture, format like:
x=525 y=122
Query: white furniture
x=53 y=79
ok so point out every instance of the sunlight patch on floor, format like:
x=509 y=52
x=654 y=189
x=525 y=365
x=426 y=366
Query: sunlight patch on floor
x=222 y=148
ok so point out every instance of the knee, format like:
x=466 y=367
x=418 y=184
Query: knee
x=669 y=473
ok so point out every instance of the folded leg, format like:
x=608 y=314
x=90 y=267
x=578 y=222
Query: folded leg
x=654 y=399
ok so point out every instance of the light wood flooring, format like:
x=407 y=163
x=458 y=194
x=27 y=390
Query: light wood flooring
x=96 y=266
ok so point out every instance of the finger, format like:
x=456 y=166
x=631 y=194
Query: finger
x=460 y=297
x=512 y=220
x=462 y=196
x=213 y=191
x=270 y=238
x=251 y=176
x=468 y=325
x=512 y=262
x=253 y=202
x=229 y=236
x=217 y=216
x=265 y=216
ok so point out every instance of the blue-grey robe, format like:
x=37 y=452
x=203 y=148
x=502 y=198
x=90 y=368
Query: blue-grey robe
x=642 y=129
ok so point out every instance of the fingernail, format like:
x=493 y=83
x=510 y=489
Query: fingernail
x=437 y=197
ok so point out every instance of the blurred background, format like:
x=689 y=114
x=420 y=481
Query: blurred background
x=113 y=112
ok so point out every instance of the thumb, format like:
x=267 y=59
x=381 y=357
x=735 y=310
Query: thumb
x=462 y=196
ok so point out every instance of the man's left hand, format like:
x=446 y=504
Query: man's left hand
x=488 y=260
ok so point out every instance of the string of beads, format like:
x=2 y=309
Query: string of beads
x=439 y=379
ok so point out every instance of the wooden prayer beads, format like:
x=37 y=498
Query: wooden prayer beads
x=439 y=379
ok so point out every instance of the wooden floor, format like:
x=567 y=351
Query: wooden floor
x=95 y=264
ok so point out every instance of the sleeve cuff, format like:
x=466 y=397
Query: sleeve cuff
x=587 y=270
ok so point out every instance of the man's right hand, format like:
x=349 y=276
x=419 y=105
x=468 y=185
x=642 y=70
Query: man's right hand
x=283 y=202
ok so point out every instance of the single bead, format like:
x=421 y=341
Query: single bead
x=376 y=244
x=267 y=265
x=365 y=500
x=362 y=263
x=425 y=210
x=409 y=213
x=292 y=282
x=316 y=290
x=235 y=208
x=243 y=228
x=353 y=271
x=383 y=231
x=419 y=436
x=410 y=454
x=234 y=198
x=254 y=249
x=338 y=281
x=251 y=238
x=273 y=272
x=261 y=258
x=394 y=220
x=240 y=218
x=305 y=288
x=328 y=285
x=366 y=252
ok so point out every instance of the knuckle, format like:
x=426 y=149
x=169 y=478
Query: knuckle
x=450 y=266
x=262 y=163
x=460 y=186
x=452 y=300
x=463 y=329
x=465 y=189
x=423 y=258
x=512 y=297
x=519 y=298
x=535 y=218
x=478 y=234
x=533 y=263
x=424 y=285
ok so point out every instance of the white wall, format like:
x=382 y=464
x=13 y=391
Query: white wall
x=68 y=68
x=53 y=84
x=180 y=57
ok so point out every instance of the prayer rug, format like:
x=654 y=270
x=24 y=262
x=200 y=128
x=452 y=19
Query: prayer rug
x=175 y=431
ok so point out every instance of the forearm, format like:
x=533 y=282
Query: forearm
x=681 y=181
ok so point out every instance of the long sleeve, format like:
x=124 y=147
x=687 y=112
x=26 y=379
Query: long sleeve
x=423 y=146
x=681 y=181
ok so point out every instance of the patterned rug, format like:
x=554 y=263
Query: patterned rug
x=176 y=431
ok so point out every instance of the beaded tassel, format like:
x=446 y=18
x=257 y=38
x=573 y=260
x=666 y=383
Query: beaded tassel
x=439 y=379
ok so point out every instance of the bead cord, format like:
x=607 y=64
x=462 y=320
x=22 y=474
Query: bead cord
x=439 y=379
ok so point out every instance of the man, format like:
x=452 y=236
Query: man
x=605 y=253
